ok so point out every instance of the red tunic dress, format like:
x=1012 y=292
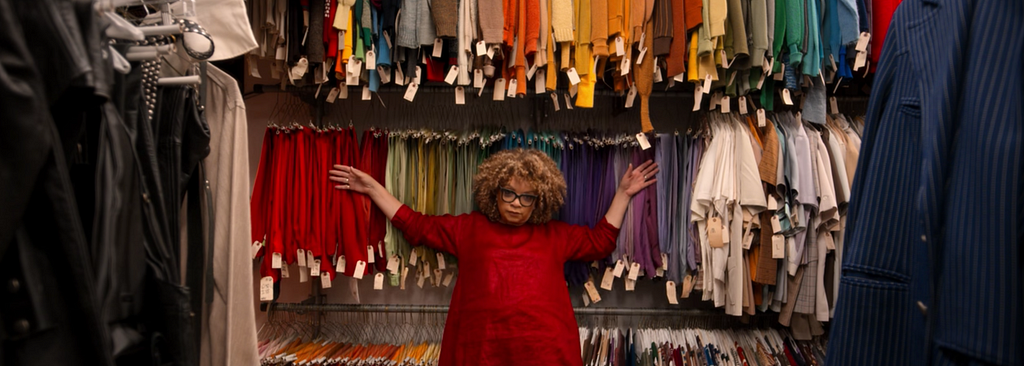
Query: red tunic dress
x=511 y=304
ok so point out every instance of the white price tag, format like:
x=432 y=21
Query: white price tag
x=360 y=268
x=333 y=95
x=460 y=95
x=385 y=74
x=698 y=95
x=573 y=89
x=776 y=226
x=371 y=258
x=620 y=46
x=301 y=257
x=436 y=279
x=640 y=58
x=413 y=258
x=453 y=72
x=568 y=101
x=586 y=300
x=531 y=71
x=630 y=285
x=786 y=98
x=609 y=277
x=267 y=289
x=440 y=261
x=410 y=92
x=725 y=59
x=761 y=118
x=707 y=84
x=438 y=47
x=490 y=52
x=448 y=279
x=832 y=61
x=743 y=105
x=256 y=245
x=399 y=75
x=680 y=78
x=833 y=105
x=303 y=276
x=634 y=271
x=371 y=60
x=499 y=90
x=366 y=93
x=419 y=72
x=284 y=272
x=314 y=269
x=778 y=246
x=862 y=42
x=642 y=139
x=340 y=266
x=657 y=71
x=861 y=61
x=631 y=96
x=574 y=78
x=670 y=291
x=405 y=273
x=420 y=280
x=540 y=83
x=481 y=48
x=726 y=108
x=478 y=79
x=325 y=280
x=619 y=267
x=624 y=68
x=512 y=88
x=760 y=81
x=393 y=264
x=592 y=292
x=554 y=99
x=378 y=281
x=664 y=261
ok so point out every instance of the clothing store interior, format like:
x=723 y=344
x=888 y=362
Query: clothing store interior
x=511 y=182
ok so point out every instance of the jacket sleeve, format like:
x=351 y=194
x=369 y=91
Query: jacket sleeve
x=444 y=232
x=586 y=244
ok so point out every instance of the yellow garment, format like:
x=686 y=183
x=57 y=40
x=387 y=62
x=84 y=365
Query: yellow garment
x=717 y=12
x=691 y=68
x=551 y=79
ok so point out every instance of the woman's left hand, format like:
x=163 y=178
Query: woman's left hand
x=639 y=178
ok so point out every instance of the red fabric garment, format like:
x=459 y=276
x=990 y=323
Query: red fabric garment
x=260 y=199
x=330 y=34
x=299 y=217
x=881 y=16
x=332 y=216
x=352 y=223
x=283 y=197
x=510 y=305
x=374 y=163
x=315 y=183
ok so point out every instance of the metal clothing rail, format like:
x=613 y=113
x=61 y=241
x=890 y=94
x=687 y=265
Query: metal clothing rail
x=379 y=308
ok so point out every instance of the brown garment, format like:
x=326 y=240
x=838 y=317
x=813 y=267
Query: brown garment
x=663 y=31
x=767 y=267
x=638 y=16
x=768 y=167
x=445 y=13
x=792 y=292
x=615 y=17
x=491 y=19
x=645 y=82
x=598 y=27
x=693 y=13
x=676 y=61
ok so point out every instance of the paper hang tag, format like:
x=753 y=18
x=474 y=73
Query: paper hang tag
x=378 y=281
x=716 y=99
x=778 y=246
x=772 y=204
x=619 y=267
x=687 y=287
x=438 y=47
x=776 y=225
x=743 y=105
x=586 y=300
x=453 y=72
x=371 y=60
x=624 y=68
x=670 y=292
x=303 y=276
x=360 y=268
x=761 y=122
x=620 y=46
x=643 y=36
x=284 y=272
x=642 y=139
x=568 y=101
x=862 y=42
x=405 y=273
x=657 y=72
x=399 y=75
x=574 y=78
x=760 y=81
x=256 y=245
x=387 y=37
x=664 y=261
x=490 y=52
x=630 y=285
x=340 y=266
x=592 y=291
x=314 y=269
x=325 y=280
x=573 y=89
x=767 y=66
x=640 y=57
x=554 y=100
x=370 y=256
x=448 y=279
x=609 y=277
x=786 y=98
x=531 y=71
x=540 y=83
x=725 y=59
x=385 y=74
x=833 y=105
x=861 y=61
x=715 y=232
x=300 y=68
x=478 y=78
x=631 y=96
x=499 y=89
x=679 y=78
x=267 y=288
x=634 y=271
x=832 y=61
x=419 y=72
x=594 y=265
x=707 y=84
x=254 y=69
x=410 y=91
x=698 y=95
x=460 y=95
x=481 y=48
x=725 y=104
x=393 y=263
x=366 y=95
x=440 y=261
x=748 y=239
x=437 y=277
x=300 y=256
x=511 y=92
x=420 y=280
x=275 y=261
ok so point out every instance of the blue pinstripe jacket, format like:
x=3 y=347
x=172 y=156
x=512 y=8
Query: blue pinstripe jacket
x=932 y=269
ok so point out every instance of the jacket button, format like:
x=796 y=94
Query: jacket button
x=923 y=308
x=13 y=286
x=21 y=326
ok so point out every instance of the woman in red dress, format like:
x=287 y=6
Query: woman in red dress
x=510 y=305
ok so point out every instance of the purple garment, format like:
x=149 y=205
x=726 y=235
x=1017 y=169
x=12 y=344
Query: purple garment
x=693 y=253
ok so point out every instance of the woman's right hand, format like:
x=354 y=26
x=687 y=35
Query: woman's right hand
x=352 y=179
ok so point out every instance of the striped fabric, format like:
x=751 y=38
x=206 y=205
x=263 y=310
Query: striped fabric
x=932 y=270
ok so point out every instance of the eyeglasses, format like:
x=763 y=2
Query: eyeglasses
x=510 y=196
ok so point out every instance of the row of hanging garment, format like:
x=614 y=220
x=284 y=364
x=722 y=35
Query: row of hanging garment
x=737 y=47
x=692 y=347
x=298 y=351
x=717 y=186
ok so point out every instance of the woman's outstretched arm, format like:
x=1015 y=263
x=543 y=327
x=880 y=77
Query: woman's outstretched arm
x=632 y=183
x=352 y=179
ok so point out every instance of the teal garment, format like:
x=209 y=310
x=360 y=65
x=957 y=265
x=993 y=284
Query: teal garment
x=780 y=36
x=830 y=39
x=812 y=58
x=794 y=14
x=768 y=94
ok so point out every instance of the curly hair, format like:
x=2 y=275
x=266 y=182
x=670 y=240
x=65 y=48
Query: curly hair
x=529 y=166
